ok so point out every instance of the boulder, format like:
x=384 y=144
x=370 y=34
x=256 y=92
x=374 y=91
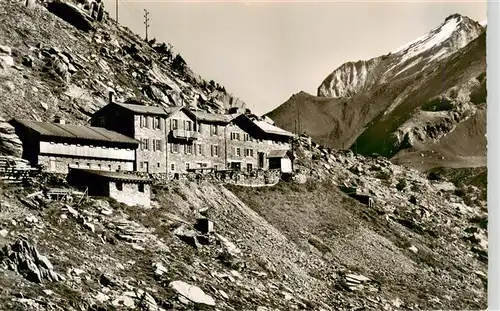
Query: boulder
x=71 y=14
x=24 y=258
x=191 y=292
x=6 y=60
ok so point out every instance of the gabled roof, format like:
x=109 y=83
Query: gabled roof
x=143 y=109
x=73 y=131
x=277 y=153
x=271 y=129
x=113 y=175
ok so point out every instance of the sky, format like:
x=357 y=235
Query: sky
x=265 y=51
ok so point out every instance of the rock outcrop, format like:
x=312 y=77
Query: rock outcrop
x=25 y=259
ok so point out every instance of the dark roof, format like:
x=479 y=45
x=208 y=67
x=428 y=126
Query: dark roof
x=204 y=116
x=114 y=175
x=277 y=153
x=76 y=132
x=143 y=109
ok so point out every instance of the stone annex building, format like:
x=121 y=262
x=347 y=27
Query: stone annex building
x=134 y=137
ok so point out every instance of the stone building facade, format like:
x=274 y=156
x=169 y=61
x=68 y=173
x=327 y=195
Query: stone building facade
x=221 y=142
x=176 y=140
x=147 y=124
x=124 y=187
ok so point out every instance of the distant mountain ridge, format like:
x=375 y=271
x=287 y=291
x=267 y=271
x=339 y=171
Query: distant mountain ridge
x=413 y=103
x=353 y=77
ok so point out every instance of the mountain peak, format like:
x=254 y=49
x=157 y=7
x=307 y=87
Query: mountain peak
x=436 y=36
x=454 y=16
x=450 y=36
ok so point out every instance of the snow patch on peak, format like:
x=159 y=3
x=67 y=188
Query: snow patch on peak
x=428 y=41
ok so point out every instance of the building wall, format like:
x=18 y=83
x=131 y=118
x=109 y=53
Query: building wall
x=198 y=152
x=130 y=194
x=148 y=157
x=86 y=151
x=227 y=147
x=252 y=143
x=176 y=155
x=61 y=164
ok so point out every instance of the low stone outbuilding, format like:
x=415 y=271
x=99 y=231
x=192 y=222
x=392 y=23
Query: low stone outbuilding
x=280 y=159
x=126 y=188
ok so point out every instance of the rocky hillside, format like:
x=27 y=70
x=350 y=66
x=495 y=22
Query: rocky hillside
x=50 y=66
x=416 y=102
x=299 y=245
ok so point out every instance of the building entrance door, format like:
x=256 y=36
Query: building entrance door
x=236 y=166
x=52 y=165
x=261 y=159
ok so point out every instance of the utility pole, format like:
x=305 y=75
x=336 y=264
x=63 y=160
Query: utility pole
x=116 y=5
x=146 y=22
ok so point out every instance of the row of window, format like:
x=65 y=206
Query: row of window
x=194 y=149
x=248 y=152
x=89 y=146
x=246 y=137
x=119 y=186
x=187 y=125
x=150 y=122
x=153 y=144
x=198 y=165
x=98 y=166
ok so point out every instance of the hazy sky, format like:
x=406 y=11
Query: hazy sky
x=263 y=52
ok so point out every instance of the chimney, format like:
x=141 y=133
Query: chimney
x=111 y=95
x=58 y=120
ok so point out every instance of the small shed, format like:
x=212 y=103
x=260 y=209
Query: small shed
x=279 y=159
x=124 y=187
